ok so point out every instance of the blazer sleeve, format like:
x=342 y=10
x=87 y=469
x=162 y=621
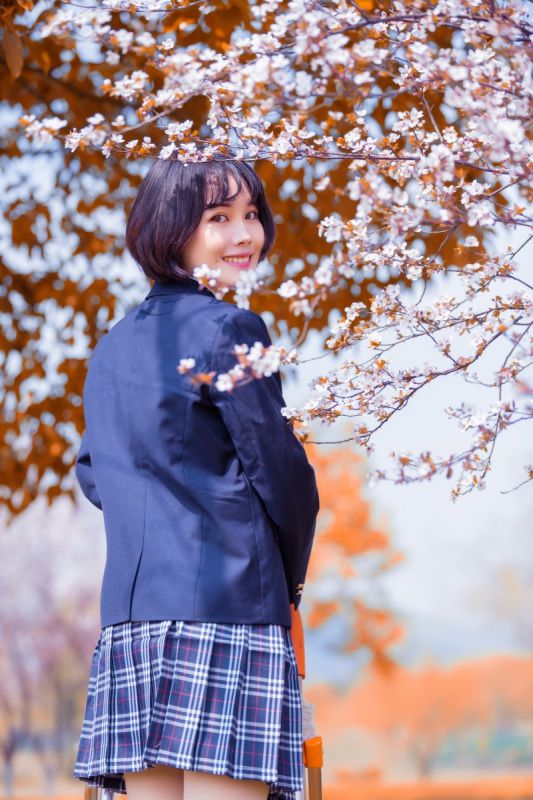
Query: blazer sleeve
x=84 y=473
x=273 y=459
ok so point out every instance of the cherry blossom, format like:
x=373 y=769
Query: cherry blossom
x=409 y=179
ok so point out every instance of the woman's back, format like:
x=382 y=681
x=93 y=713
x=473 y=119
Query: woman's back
x=183 y=473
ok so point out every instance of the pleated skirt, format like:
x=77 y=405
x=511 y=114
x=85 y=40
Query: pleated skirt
x=219 y=698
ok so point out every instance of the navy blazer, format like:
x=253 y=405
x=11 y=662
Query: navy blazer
x=208 y=498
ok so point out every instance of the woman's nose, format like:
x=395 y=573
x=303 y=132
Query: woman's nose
x=241 y=234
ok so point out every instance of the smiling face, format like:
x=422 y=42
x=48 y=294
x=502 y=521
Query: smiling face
x=230 y=237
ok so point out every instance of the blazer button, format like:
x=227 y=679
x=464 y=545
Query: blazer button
x=299 y=588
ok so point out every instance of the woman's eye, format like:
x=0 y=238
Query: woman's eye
x=216 y=216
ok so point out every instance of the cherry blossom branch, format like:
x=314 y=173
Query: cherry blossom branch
x=459 y=168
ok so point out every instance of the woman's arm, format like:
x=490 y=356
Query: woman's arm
x=272 y=457
x=84 y=473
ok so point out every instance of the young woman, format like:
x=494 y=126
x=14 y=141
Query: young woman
x=209 y=506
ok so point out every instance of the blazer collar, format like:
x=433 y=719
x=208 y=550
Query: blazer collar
x=186 y=285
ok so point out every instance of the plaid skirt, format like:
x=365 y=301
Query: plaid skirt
x=219 y=698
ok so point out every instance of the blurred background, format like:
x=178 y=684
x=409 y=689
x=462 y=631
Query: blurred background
x=417 y=610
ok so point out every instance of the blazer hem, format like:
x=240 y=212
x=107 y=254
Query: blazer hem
x=284 y=620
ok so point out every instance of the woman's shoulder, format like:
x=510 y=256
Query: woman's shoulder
x=241 y=319
x=240 y=326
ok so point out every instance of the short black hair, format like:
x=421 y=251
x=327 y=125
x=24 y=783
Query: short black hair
x=169 y=205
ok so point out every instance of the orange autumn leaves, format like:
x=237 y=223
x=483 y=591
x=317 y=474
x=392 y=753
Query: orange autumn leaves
x=351 y=551
x=416 y=713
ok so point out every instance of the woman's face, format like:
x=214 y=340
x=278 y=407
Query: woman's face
x=226 y=233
